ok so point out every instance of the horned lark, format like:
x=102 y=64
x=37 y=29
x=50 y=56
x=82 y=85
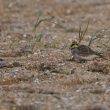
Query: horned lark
x=83 y=53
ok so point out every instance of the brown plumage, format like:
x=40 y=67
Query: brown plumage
x=82 y=53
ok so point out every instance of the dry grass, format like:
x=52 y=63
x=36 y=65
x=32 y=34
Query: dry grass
x=101 y=67
x=13 y=80
x=96 y=107
x=36 y=70
x=77 y=79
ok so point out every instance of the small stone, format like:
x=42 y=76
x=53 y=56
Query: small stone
x=3 y=64
x=73 y=70
x=1 y=59
x=16 y=64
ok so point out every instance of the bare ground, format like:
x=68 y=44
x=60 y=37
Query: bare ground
x=36 y=72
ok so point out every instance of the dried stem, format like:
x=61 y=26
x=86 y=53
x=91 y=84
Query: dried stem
x=81 y=33
x=40 y=21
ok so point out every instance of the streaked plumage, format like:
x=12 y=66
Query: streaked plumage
x=82 y=53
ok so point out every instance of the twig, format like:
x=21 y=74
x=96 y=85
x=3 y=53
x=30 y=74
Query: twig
x=39 y=21
x=81 y=33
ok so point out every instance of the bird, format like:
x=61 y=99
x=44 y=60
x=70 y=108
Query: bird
x=83 y=53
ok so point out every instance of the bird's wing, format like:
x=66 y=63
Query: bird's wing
x=85 y=50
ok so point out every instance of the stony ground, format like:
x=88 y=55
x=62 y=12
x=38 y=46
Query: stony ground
x=36 y=70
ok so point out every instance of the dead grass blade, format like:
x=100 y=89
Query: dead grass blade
x=40 y=20
x=81 y=33
x=37 y=36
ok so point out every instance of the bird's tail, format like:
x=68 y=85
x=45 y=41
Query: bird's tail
x=101 y=56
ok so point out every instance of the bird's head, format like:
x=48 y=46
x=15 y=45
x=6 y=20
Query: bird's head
x=74 y=44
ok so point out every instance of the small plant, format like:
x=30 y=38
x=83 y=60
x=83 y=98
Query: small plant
x=37 y=36
x=93 y=38
x=98 y=35
x=37 y=41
